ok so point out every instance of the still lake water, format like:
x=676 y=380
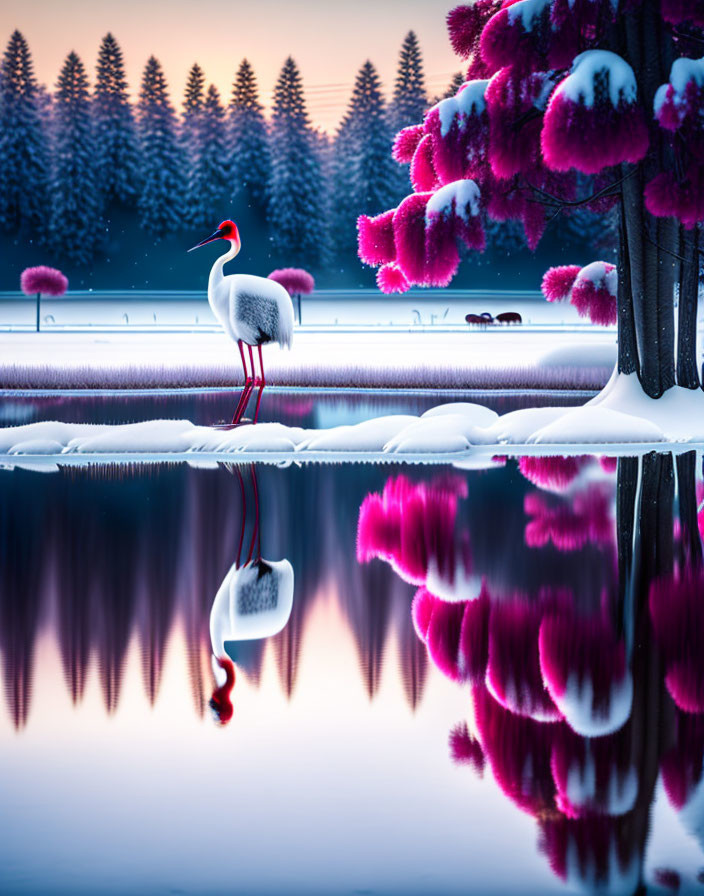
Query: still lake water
x=544 y=733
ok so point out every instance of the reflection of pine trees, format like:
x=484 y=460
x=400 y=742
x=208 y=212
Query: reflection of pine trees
x=291 y=514
x=21 y=580
x=159 y=532
x=128 y=551
x=413 y=657
x=116 y=562
x=74 y=578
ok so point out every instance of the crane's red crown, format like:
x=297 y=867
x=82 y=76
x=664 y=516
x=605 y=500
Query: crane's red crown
x=228 y=230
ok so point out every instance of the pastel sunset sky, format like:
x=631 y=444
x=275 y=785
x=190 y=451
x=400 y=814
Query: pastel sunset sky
x=328 y=39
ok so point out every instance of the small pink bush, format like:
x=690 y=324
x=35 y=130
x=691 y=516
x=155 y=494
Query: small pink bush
x=44 y=280
x=558 y=282
x=295 y=281
x=391 y=279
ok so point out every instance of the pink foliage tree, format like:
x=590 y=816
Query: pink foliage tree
x=42 y=280
x=296 y=281
x=568 y=104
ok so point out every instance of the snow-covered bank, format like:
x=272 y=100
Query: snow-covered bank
x=621 y=420
x=472 y=359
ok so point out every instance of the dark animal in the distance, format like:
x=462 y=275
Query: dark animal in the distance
x=484 y=319
x=509 y=317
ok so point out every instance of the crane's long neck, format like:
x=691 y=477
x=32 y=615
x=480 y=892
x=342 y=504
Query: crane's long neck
x=216 y=274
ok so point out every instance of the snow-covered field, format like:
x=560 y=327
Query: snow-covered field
x=621 y=420
x=504 y=358
x=133 y=310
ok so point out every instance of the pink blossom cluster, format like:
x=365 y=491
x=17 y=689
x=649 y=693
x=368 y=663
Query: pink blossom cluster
x=680 y=11
x=412 y=527
x=519 y=128
x=597 y=98
x=44 y=280
x=296 y=281
x=592 y=290
x=586 y=519
x=455 y=633
x=678 y=105
x=668 y=195
x=417 y=242
x=678 y=620
x=683 y=763
x=556 y=473
x=523 y=34
x=465 y=749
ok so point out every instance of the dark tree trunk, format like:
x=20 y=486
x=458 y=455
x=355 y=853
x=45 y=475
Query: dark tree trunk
x=687 y=366
x=626 y=494
x=651 y=244
x=690 y=541
x=627 y=342
x=655 y=517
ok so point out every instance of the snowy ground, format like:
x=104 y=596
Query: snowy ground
x=500 y=358
x=135 y=310
x=621 y=420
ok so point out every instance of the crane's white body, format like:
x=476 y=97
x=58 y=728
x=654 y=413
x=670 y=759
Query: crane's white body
x=254 y=309
x=254 y=601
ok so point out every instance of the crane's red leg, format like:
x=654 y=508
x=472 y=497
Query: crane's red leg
x=262 y=383
x=256 y=537
x=243 y=518
x=246 y=389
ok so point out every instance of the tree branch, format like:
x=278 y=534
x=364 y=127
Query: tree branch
x=608 y=190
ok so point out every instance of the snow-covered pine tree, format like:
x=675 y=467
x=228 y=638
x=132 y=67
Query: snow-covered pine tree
x=250 y=161
x=364 y=171
x=161 y=200
x=193 y=102
x=208 y=181
x=410 y=99
x=191 y=140
x=24 y=150
x=75 y=197
x=116 y=149
x=295 y=194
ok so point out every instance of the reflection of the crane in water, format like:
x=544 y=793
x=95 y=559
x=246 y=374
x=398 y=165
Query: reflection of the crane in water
x=580 y=701
x=254 y=601
x=119 y=565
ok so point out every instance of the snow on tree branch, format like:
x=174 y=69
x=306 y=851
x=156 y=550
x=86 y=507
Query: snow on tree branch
x=678 y=109
x=523 y=35
x=591 y=289
x=593 y=119
x=459 y=129
x=417 y=242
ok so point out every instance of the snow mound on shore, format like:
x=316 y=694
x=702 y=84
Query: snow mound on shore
x=619 y=416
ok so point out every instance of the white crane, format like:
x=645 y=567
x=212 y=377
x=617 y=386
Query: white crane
x=252 y=310
x=254 y=601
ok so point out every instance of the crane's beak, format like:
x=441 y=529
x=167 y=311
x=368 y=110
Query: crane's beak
x=209 y=239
